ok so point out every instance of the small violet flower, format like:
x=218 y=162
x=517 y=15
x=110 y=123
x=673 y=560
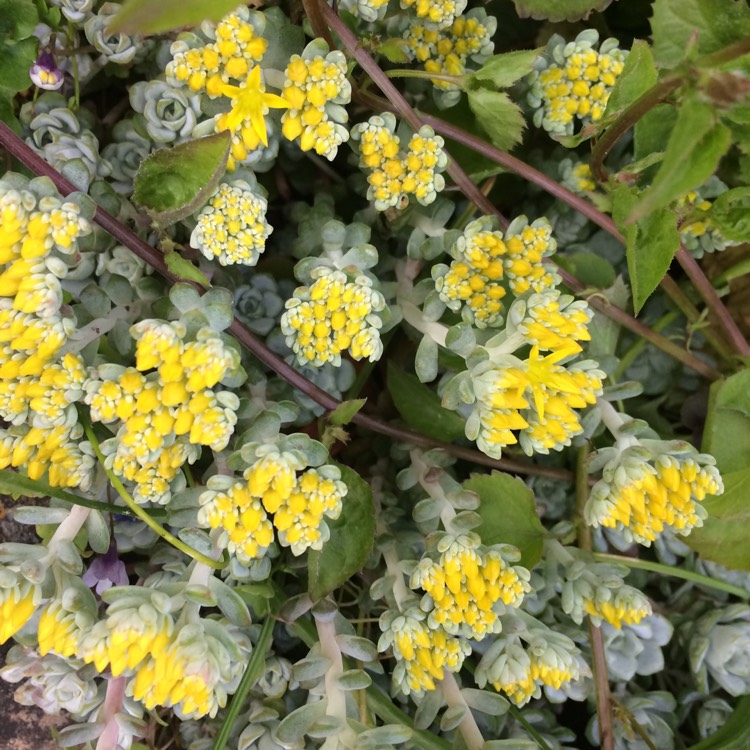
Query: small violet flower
x=45 y=73
x=106 y=571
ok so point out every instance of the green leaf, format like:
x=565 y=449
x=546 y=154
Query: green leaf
x=651 y=132
x=726 y=435
x=420 y=406
x=730 y=214
x=394 y=50
x=508 y=513
x=696 y=144
x=592 y=270
x=18 y=19
x=559 y=10
x=184 y=269
x=8 y=110
x=650 y=245
x=707 y=24
x=504 y=70
x=15 y=61
x=500 y=118
x=352 y=537
x=638 y=76
x=723 y=536
x=734 y=735
x=173 y=183
x=345 y=411
x=149 y=17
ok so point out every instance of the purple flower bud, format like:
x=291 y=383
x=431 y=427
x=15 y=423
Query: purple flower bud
x=106 y=571
x=45 y=73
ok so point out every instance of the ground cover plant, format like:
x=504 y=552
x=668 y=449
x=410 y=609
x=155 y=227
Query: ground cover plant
x=382 y=371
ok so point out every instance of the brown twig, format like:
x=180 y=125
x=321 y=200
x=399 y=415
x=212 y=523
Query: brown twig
x=27 y=156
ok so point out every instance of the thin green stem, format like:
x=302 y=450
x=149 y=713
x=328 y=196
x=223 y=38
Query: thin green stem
x=12 y=483
x=518 y=716
x=141 y=513
x=252 y=674
x=406 y=73
x=74 y=60
x=733 y=272
x=669 y=570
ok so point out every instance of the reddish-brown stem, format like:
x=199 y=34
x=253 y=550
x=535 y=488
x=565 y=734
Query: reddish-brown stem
x=655 y=95
x=29 y=158
x=715 y=305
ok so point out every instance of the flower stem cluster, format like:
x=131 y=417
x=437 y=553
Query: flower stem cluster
x=165 y=406
x=191 y=664
x=572 y=81
x=649 y=486
x=39 y=383
x=395 y=174
x=527 y=657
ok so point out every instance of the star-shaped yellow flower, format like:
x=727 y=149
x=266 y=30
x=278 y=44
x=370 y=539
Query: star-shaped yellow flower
x=251 y=102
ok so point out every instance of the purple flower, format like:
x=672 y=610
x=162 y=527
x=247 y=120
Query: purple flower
x=106 y=571
x=45 y=73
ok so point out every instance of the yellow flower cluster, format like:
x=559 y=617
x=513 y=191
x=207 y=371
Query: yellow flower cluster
x=521 y=673
x=393 y=174
x=38 y=386
x=577 y=176
x=316 y=88
x=446 y=50
x=18 y=602
x=621 y=608
x=555 y=322
x=237 y=46
x=464 y=585
x=484 y=259
x=334 y=314
x=232 y=227
x=186 y=666
x=167 y=414
x=298 y=503
x=58 y=630
x=537 y=396
x=423 y=654
x=642 y=497
x=574 y=81
x=436 y=13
